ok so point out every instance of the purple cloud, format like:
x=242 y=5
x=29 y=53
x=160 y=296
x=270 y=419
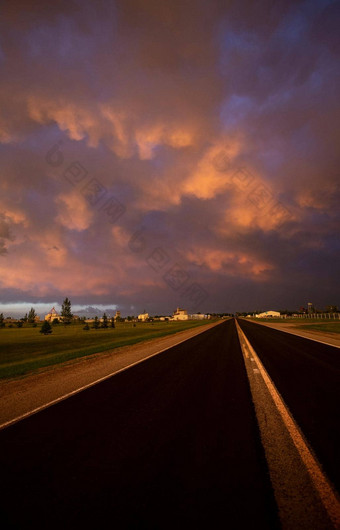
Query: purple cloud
x=209 y=130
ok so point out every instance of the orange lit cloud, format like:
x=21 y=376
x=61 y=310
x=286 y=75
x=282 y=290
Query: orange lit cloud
x=211 y=128
x=74 y=212
x=232 y=263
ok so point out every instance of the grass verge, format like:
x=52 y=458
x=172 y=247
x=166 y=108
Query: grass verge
x=333 y=327
x=26 y=350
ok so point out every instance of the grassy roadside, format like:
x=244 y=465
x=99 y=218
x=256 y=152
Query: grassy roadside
x=26 y=350
x=333 y=327
x=297 y=321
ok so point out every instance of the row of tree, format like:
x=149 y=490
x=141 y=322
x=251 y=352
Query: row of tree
x=66 y=315
x=104 y=324
x=18 y=324
x=31 y=316
x=46 y=327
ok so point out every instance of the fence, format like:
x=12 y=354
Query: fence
x=330 y=316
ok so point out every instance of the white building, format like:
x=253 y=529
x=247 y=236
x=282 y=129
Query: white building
x=52 y=315
x=143 y=317
x=269 y=314
x=180 y=314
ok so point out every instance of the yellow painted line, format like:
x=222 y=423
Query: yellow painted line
x=327 y=495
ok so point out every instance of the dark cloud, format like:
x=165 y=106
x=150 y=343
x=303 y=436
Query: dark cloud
x=5 y=233
x=209 y=129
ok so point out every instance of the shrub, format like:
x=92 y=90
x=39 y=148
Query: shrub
x=95 y=324
x=46 y=328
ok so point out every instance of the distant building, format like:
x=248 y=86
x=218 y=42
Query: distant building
x=180 y=314
x=52 y=315
x=143 y=316
x=199 y=316
x=268 y=314
x=310 y=308
x=117 y=315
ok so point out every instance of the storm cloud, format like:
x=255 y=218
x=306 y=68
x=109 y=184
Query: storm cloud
x=163 y=154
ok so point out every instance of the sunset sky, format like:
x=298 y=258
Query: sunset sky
x=163 y=154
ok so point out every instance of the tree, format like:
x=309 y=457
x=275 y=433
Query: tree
x=55 y=321
x=2 y=322
x=86 y=327
x=95 y=324
x=46 y=328
x=19 y=324
x=66 y=311
x=31 y=315
x=104 y=324
x=113 y=322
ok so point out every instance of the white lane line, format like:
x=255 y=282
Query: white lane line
x=327 y=495
x=77 y=390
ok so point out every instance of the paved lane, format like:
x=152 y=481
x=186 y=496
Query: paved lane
x=307 y=375
x=172 y=442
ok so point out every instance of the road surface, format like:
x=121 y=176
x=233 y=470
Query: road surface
x=307 y=375
x=189 y=437
x=172 y=442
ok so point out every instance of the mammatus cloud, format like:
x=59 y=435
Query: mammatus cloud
x=5 y=233
x=210 y=131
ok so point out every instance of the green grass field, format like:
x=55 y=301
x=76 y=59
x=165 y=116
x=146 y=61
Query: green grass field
x=25 y=350
x=333 y=327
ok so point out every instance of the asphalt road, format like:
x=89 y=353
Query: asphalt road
x=170 y=443
x=307 y=375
